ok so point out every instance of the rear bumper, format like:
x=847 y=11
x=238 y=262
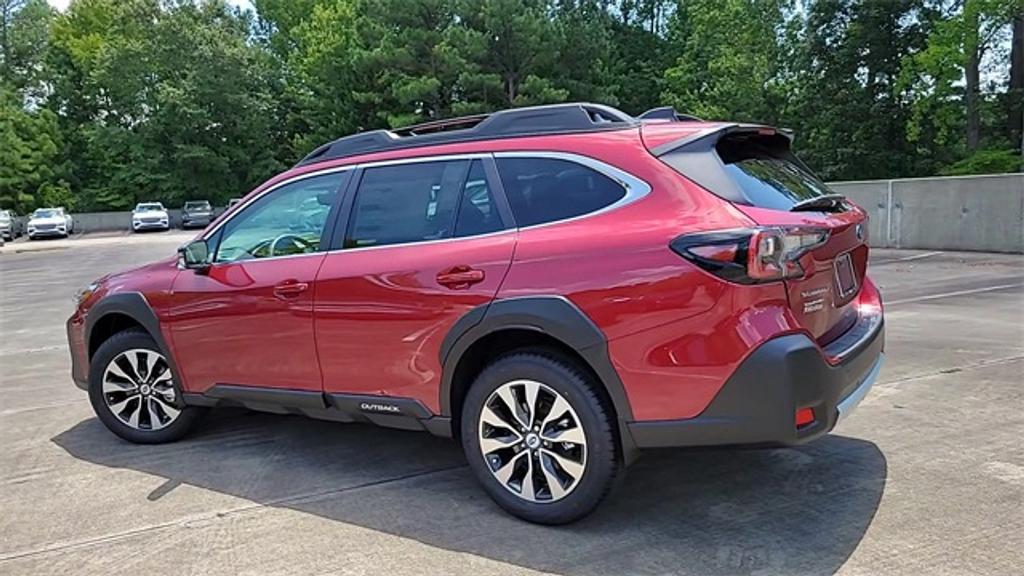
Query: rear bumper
x=197 y=221
x=758 y=404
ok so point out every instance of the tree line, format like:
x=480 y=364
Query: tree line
x=111 y=102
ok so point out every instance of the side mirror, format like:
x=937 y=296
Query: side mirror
x=194 y=256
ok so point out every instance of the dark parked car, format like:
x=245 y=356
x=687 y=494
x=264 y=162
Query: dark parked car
x=554 y=287
x=196 y=214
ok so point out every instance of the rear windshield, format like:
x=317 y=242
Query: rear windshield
x=749 y=168
x=767 y=173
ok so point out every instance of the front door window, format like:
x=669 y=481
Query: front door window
x=286 y=222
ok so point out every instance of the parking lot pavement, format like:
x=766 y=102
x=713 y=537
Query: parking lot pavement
x=927 y=477
x=93 y=239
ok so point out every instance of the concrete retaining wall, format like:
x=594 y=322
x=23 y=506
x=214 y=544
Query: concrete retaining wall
x=983 y=213
x=107 y=221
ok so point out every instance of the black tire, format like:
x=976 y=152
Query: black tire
x=604 y=461
x=186 y=420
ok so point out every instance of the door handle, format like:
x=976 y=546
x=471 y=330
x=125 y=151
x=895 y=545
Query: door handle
x=290 y=289
x=460 y=277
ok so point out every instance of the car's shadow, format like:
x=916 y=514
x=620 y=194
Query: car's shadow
x=800 y=510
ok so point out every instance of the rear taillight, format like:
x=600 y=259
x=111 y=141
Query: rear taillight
x=751 y=255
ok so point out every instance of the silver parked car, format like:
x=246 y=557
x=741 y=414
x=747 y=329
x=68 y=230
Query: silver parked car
x=11 y=226
x=196 y=214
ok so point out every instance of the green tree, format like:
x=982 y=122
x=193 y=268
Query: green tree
x=162 y=103
x=519 y=39
x=29 y=156
x=24 y=31
x=841 y=77
x=412 y=60
x=729 y=60
x=313 y=46
x=943 y=81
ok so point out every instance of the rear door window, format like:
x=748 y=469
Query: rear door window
x=542 y=190
x=406 y=203
x=478 y=213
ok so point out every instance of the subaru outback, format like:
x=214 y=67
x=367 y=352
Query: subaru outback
x=557 y=288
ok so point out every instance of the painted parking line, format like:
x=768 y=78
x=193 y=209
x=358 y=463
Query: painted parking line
x=956 y=293
x=907 y=258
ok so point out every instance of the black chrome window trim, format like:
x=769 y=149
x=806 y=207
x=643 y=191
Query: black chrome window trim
x=635 y=188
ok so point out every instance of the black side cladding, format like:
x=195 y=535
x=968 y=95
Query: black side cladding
x=386 y=411
x=554 y=316
x=757 y=404
x=134 y=306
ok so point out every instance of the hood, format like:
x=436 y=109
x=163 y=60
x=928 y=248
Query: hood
x=151 y=280
x=150 y=213
x=156 y=275
x=51 y=220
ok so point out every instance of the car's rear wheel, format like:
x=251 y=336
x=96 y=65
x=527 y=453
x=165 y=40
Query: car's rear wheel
x=540 y=438
x=135 y=393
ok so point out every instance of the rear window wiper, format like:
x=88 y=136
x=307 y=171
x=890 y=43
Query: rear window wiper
x=824 y=202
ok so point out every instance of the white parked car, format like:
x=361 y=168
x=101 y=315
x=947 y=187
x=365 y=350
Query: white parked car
x=49 y=222
x=150 y=216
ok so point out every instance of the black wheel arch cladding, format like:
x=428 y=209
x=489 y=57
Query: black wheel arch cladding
x=554 y=316
x=134 y=306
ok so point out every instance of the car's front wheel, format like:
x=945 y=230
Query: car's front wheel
x=134 y=391
x=540 y=438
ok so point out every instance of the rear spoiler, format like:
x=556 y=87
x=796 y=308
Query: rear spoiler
x=695 y=156
x=713 y=135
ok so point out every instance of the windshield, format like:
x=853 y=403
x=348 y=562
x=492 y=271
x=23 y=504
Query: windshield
x=47 y=213
x=197 y=205
x=5 y=215
x=149 y=208
x=768 y=173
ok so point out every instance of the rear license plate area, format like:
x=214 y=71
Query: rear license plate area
x=846 y=278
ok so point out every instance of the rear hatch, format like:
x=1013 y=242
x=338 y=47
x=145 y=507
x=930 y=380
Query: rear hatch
x=754 y=168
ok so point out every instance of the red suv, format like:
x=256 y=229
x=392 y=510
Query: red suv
x=555 y=287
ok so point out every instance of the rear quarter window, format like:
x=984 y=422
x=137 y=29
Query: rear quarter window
x=542 y=190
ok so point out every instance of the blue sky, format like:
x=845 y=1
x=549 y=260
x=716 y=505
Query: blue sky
x=62 y=4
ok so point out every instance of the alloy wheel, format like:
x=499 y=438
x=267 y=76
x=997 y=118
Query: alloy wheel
x=532 y=441
x=138 y=388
